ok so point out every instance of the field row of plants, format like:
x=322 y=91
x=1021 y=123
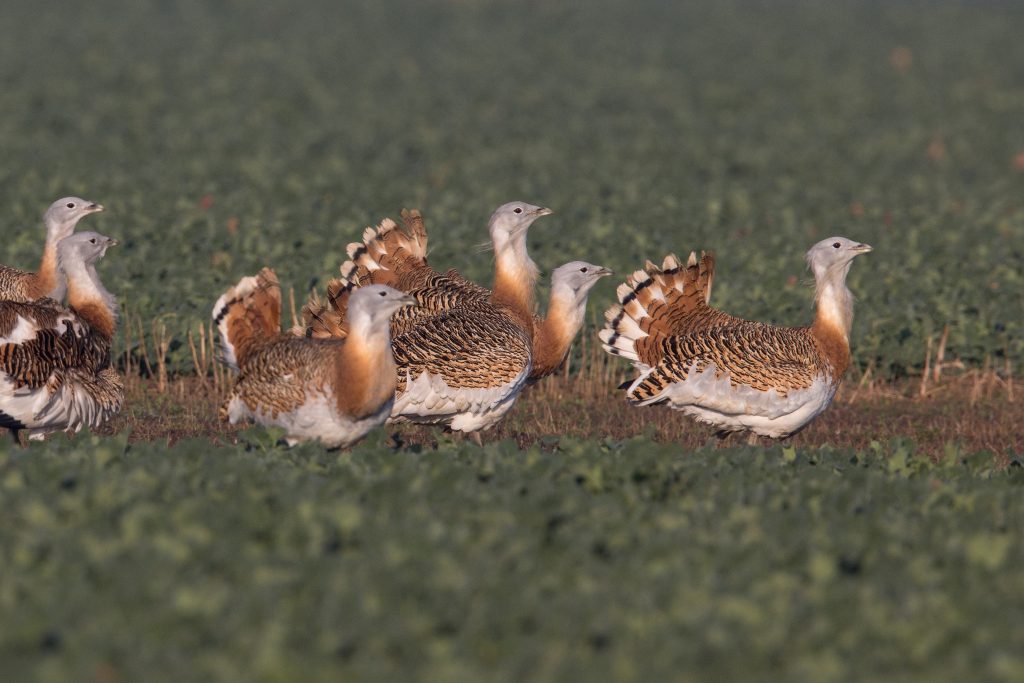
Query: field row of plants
x=583 y=560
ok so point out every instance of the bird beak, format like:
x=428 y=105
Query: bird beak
x=862 y=248
x=543 y=212
x=602 y=271
x=112 y=242
x=408 y=300
x=94 y=207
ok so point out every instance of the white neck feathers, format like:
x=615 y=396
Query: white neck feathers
x=567 y=308
x=833 y=300
x=515 y=277
x=85 y=288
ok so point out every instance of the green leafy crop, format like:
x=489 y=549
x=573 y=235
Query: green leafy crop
x=628 y=560
x=227 y=136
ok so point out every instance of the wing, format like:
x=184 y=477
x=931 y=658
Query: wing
x=472 y=347
x=435 y=293
x=754 y=355
x=39 y=339
x=660 y=302
x=13 y=284
x=278 y=375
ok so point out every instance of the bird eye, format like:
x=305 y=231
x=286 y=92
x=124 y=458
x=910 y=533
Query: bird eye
x=836 y=245
x=383 y=293
x=92 y=240
x=583 y=269
x=71 y=205
x=517 y=210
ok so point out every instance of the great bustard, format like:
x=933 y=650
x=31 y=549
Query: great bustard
x=466 y=352
x=438 y=293
x=553 y=335
x=55 y=368
x=332 y=390
x=734 y=374
x=60 y=220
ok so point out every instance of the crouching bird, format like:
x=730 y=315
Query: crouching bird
x=737 y=375
x=55 y=370
x=331 y=390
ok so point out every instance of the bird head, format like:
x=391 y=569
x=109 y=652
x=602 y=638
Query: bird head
x=374 y=304
x=510 y=221
x=575 y=279
x=833 y=255
x=64 y=214
x=86 y=247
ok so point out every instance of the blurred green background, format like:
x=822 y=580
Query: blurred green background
x=225 y=136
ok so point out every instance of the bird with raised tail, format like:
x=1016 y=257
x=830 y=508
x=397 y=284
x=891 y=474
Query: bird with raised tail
x=60 y=219
x=466 y=353
x=331 y=390
x=55 y=371
x=391 y=256
x=553 y=333
x=734 y=374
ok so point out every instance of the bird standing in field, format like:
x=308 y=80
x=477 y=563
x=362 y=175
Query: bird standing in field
x=734 y=374
x=466 y=352
x=60 y=220
x=331 y=390
x=55 y=370
x=553 y=335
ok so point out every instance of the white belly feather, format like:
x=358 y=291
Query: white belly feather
x=63 y=403
x=716 y=401
x=316 y=419
x=429 y=400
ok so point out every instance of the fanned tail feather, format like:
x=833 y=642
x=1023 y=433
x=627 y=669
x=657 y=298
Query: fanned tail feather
x=657 y=303
x=634 y=323
x=325 y=318
x=248 y=314
x=387 y=253
x=690 y=283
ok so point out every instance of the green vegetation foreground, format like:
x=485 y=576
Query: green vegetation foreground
x=590 y=560
x=222 y=137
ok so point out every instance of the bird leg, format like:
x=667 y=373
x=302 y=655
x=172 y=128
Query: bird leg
x=722 y=438
x=19 y=437
x=476 y=438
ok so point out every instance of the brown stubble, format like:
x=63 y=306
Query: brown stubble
x=975 y=410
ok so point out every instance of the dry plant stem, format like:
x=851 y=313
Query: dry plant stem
x=200 y=362
x=923 y=391
x=162 y=343
x=940 y=355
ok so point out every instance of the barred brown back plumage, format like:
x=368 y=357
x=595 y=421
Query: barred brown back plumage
x=31 y=363
x=473 y=346
x=259 y=379
x=14 y=284
x=662 y=302
x=756 y=355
